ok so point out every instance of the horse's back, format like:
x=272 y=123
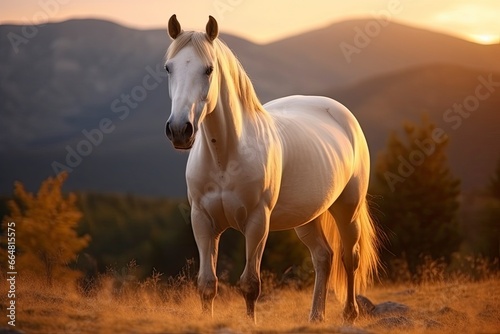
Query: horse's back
x=303 y=106
x=319 y=139
x=302 y=116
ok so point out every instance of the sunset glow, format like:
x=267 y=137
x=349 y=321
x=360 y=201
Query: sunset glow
x=265 y=21
x=485 y=38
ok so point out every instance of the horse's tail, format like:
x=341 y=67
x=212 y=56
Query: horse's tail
x=368 y=244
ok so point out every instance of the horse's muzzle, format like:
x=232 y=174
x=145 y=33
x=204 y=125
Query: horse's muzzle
x=181 y=136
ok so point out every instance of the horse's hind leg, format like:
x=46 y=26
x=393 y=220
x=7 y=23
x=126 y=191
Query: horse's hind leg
x=343 y=210
x=312 y=236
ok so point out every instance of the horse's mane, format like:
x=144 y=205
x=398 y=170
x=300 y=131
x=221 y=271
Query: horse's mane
x=232 y=73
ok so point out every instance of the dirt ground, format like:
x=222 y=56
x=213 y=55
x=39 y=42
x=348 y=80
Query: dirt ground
x=451 y=307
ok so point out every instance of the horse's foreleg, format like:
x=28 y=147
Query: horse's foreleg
x=256 y=232
x=207 y=240
x=312 y=236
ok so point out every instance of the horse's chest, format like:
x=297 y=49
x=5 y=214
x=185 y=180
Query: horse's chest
x=226 y=198
x=226 y=209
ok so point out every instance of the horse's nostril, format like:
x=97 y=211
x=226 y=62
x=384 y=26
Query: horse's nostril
x=188 y=130
x=168 y=131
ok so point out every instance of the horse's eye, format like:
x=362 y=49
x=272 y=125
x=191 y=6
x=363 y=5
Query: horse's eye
x=167 y=69
x=209 y=70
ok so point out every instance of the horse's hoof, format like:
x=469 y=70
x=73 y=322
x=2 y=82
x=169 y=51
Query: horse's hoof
x=316 y=318
x=350 y=314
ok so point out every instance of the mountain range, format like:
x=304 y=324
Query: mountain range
x=91 y=96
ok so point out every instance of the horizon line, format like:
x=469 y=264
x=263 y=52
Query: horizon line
x=470 y=39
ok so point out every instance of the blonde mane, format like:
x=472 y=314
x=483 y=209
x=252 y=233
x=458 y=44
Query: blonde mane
x=233 y=76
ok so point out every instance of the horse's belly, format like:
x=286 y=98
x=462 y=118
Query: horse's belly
x=317 y=164
x=304 y=196
x=285 y=216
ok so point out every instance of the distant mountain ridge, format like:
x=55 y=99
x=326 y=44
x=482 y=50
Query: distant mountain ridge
x=63 y=82
x=395 y=47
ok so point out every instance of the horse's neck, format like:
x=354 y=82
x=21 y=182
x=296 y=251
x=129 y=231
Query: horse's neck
x=224 y=127
x=222 y=130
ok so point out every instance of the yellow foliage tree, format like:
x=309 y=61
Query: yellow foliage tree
x=46 y=236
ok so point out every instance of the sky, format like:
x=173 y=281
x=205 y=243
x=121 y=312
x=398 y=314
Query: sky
x=263 y=21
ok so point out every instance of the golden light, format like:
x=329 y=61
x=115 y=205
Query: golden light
x=485 y=38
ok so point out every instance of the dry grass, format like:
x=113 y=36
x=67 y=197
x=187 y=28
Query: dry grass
x=150 y=307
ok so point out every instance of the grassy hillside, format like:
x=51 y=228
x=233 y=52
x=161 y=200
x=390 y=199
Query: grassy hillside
x=172 y=306
x=128 y=291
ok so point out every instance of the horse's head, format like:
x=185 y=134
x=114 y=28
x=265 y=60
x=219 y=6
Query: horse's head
x=192 y=69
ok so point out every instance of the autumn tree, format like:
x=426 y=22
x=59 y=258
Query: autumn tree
x=418 y=195
x=45 y=225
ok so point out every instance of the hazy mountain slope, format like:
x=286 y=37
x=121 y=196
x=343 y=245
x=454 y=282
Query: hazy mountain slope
x=320 y=53
x=66 y=73
x=382 y=104
x=72 y=68
x=73 y=75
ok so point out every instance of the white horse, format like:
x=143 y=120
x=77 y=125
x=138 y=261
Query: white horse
x=298 y=162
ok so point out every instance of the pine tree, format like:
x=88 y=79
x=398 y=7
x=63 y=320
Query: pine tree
x=45 y=224
x=494 y=186
x=487 y=225
x=419 y=195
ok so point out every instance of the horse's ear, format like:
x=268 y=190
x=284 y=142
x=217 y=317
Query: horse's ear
x=174 y=27
x=212 y=28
